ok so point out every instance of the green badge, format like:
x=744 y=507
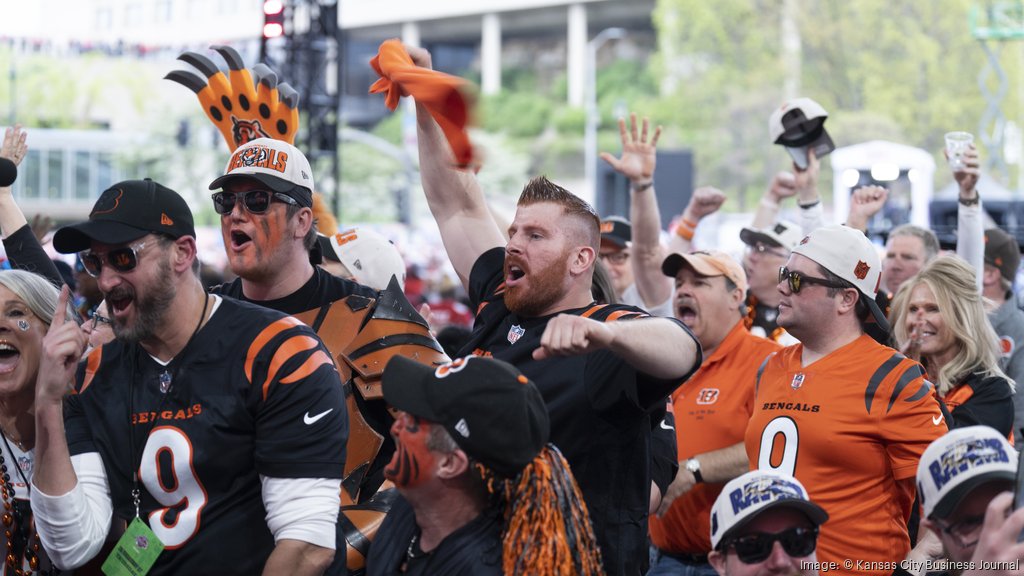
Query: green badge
x=135 y=553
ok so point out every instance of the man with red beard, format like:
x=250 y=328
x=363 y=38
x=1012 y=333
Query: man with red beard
x=599 y=368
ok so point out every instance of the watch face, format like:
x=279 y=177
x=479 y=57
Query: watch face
x=692 y=465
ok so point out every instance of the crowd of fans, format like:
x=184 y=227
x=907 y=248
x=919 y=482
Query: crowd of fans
x=581 y=397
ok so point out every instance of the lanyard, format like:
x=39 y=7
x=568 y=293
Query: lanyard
x=166 y=382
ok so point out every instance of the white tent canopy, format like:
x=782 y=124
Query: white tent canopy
x=863 y=157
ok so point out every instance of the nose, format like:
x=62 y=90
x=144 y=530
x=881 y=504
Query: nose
x=514 y=245
x=779 y=561
x=108 y=279
x=397 y=424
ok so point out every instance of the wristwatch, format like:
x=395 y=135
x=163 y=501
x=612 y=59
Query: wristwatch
x=693 y=467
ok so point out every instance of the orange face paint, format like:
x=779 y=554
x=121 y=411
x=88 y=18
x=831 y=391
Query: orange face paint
x=413 y=461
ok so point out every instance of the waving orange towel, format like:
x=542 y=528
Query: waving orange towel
x=443 y=95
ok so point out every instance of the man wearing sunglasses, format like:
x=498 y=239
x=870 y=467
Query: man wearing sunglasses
x=959 y=475
x=767 y=250
x=845 y=415
x=214 y=426
x=764 y=524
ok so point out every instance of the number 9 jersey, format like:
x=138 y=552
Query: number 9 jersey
x=851 y=427
x=255 y=394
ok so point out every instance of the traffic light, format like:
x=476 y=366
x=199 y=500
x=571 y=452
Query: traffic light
x=273 y=19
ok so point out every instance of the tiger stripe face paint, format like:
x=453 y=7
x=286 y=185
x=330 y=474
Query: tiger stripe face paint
x=413 y=462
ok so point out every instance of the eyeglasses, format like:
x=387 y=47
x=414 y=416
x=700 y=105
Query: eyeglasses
x=120 y=259
x=964 y=529
x=255 y=201
x=754 y=548
x=619 y=257
x=797 y=280
x=98 y=319
x=762 y=248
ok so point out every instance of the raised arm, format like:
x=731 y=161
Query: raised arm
x=865 y=202
x=637 y=164
x=704 y=202
x=970 y=229
x=454 y=196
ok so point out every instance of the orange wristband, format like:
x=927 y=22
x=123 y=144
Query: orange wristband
x=685 y=232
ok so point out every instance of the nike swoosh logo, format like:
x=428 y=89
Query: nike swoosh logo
x=665 y=426
x=313 y=419
x=937 y=419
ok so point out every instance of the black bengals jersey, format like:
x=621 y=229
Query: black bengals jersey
x=254 y=393
x=599 y=408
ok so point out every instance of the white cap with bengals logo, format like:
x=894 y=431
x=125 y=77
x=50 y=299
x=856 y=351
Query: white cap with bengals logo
x=849 y=254
x=274 y=163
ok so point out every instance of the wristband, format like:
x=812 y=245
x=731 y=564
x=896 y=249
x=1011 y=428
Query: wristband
x=683 y=231
x=809 y=204
x=970 y=201
x=689 y=223
x=642 y=186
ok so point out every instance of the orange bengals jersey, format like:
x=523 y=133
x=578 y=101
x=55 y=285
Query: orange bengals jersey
x=851 y=427
x=711 y=411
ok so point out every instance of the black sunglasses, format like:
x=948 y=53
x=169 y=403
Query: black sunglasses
x=797 y=280
x=121 y=259
x=255 y=201
x=754 y=548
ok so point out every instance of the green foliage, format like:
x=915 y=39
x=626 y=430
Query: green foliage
x=518 y=114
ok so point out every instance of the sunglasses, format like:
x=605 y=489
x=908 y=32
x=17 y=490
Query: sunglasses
x=762 y=248
x=120 y=259
x=754 y=548
x=797 y=280
x=255 y=201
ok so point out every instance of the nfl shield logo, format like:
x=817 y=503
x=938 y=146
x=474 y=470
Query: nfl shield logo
x=515 y=333
x=798 y=381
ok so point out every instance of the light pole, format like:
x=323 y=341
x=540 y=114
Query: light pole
x=593 y=118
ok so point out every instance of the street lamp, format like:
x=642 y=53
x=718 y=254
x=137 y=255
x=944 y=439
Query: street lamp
x=593 y=118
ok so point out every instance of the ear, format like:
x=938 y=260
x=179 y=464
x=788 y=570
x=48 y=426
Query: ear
x=717 y=561
x=738 y=298
x=304 y=221
x=452 y=465
x=182 y=253
x=582 y=260
x=848 y=300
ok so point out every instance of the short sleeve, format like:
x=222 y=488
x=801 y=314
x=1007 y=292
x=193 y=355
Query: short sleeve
x=910 y=419
x=486 y=276
x=301 y=420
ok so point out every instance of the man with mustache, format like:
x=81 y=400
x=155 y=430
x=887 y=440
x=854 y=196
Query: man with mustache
x=711 y=409
x=213 y=426
x=599 y=368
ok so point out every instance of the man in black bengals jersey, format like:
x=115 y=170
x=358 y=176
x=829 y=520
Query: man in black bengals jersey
x=219 y=424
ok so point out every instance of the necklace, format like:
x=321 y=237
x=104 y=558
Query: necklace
x=167 y=377
x=414 y=552
x=22 y=540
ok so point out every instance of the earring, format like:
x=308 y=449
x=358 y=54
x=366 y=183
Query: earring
x=23 y=324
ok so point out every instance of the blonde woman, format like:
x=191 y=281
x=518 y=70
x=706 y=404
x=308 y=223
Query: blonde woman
x=938 y=318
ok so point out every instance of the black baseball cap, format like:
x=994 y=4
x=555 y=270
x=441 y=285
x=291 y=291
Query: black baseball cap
x=1003 y=252
x=128 y=211
x=493 y=412
x=615 y=230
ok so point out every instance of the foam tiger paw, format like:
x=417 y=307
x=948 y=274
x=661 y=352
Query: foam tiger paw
x=242 y=108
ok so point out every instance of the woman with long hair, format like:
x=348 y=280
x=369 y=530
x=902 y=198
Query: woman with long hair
x=939 y=319
x=27 y=305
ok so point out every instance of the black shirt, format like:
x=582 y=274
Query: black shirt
x=254 y=393
x=472 y=550
x=322 y=288
x=982 y=400
x=599 y=407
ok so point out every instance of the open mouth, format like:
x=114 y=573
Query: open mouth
x=686 y=314
x=239 y=239
x=118 y=301
x=9 y=356
x=514 y=274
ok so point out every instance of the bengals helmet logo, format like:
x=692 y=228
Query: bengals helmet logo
x=107 y=202
x=252 y=156
x=861 y=271
x=244 y=131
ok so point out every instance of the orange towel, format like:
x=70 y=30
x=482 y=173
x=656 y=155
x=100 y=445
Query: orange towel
x=443 y=95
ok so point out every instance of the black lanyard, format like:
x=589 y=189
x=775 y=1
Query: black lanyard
x=170 y=373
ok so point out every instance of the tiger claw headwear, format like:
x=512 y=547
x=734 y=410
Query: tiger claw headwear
x=241 y=108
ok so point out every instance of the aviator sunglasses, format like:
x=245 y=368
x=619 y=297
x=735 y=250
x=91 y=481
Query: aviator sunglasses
x=754 y=548
x=121 y=259
x=797 y=280
x=255 y=201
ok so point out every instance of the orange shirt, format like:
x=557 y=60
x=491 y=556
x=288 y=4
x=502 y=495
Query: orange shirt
x=711 y=411
x=849 y=427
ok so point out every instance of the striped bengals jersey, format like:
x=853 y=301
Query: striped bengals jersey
x=255 y=393
x=851 y=427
